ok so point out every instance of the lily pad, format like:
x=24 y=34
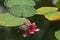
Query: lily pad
x=44 y=10
x=11 y=3
x=50 y=13
x=8 y=20
x=22 y=11
x=57 y=35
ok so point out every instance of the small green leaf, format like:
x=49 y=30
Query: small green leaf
x=57 y=35
x=22 y=11
x=57 y=3
x=11 y=3
x=8 y=20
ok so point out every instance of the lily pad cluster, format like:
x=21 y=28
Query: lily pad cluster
x=17 y=11
x=51 y=13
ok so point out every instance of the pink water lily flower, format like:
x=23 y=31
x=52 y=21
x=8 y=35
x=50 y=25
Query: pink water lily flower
x=31 y=30
x=28 y=28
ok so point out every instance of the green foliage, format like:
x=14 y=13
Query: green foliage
x=9 y=21
x=21 y=8
x=25 y=8
x=47 y=11
x=57 y=3
x=57 y=34
x=22 y=11
x=50 y=13
x=11 y=3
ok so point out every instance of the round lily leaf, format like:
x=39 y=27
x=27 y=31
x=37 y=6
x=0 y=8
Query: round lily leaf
x=9 y=21
x=50 y=13
x=22 y=11
x=44 y=10
x=57 y=35
x=11 y=3
x=57 y=3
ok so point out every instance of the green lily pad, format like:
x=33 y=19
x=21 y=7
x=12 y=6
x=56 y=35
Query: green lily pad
x=57 y=35
x=22 y=11
x=47 y=11
x=8 y=20
x=57 y=3
x=50 y=13
x=11 y=3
